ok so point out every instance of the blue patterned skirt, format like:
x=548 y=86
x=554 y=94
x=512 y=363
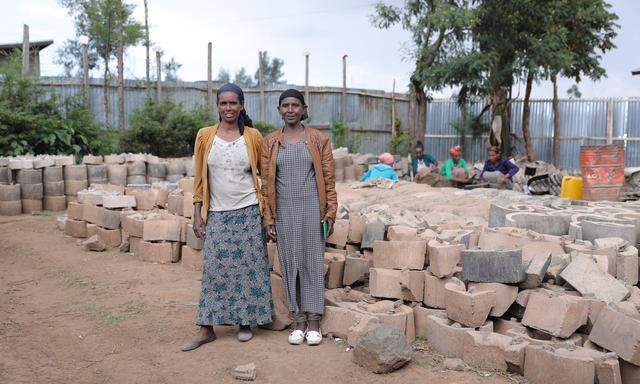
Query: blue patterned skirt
x=236 y=288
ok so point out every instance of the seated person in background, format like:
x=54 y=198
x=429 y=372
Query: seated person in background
x=382 y=170
x=421 y=163
x=455 y=169
x=498 y=169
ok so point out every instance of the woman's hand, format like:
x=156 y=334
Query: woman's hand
x=198 y=227
x=271 y=231
x=330 y=223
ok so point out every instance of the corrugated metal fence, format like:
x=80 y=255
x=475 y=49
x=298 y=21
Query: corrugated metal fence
x=582 y=122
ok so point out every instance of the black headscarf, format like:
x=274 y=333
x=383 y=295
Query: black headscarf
x=243 y=119
x=298 y=95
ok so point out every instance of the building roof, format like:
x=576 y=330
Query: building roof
x=32 y=44
x=636 y=71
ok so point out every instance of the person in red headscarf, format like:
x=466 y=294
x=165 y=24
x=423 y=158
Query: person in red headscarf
x=455 y=169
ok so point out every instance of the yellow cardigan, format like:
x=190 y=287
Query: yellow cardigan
x=202 y=148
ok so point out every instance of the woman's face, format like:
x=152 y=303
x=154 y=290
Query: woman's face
x=229 y=107
x=494 y=156
x=455 y=157
x=291 y=110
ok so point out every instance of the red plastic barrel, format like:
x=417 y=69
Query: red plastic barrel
x=602 y=168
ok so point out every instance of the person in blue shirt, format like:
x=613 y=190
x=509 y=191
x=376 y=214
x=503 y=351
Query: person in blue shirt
x=382 y=170
x=498 y=169
x=421 y=163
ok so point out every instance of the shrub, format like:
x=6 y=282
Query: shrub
x=264 y=127
x=166 y=129
x=402 y=143
x=342 y=137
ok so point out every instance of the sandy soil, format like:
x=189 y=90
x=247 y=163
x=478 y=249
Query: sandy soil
x=70 y=316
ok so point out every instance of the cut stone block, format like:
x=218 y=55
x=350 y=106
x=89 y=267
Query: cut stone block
x=490 y=350
x=92 y=229
x=175 y=204
x=280 y=318
x=75 y=228
x=112 y=238
x=118 y=201
x=272 y=254
x=630 y=373
x=10 y=208
x=420 y=315
x=627 y=265
x=334 y=264
x=592 y=230
x=339 y=321
x=443 y=257
x=382 y=349
x=191 y=258
x=161 y=253
x=434 y=292
x=402 y=233
x=492 y=239
x=492 y=266
x=154 y=230
x=187 y=204
x=134 y=225
x=558 y=315
x=372 y=231
x=505 y=295
x=468 y=308
x=192 y=240
x=617 y=332
x=399 y=254
x=30 y=206
x=90 y=213
x=539 y=222
x=93 y=243
x=502 y=326
x=108 y=218
x=584 y=275
x=55 y=203
x=544 y=365
x=356 y=228
x=445 y=338
x=54 y=188
x=536 y=270
x=395 y=284
x=340 y=233
x=356 y=269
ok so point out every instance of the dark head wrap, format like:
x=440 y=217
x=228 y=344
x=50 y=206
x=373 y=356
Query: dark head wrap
x=298 y=95
x=243 y=119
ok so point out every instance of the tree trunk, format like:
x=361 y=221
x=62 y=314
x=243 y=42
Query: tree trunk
x=147 y=43
x=421 y=103
x=105 y=88
x=556 y=123
x=526 y=114
x=120 y=53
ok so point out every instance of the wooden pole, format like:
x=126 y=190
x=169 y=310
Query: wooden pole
x=306 y=77
x=261 y=83
x=158 y=78
x=120 y=54
x=393 y=109
x=147 y=44
x=85 y=72
x=343 y=107
x=25 y=50
x=609 y=122
x=209 y=74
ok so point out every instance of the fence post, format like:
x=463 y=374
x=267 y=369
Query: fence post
x=609 y=129
x=306 y=77
x=261 y=83
x=84 y=40
x=25 y=50
x=393 y=109
x=343 y=107
x=209 y=84
x=158 y=78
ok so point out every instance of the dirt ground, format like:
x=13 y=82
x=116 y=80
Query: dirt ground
x=70 y=316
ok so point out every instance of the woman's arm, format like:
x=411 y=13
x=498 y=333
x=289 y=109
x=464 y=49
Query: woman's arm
x=264 y=175
x=329 y=179
x=198 y=152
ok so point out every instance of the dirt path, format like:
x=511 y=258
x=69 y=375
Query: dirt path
x=70 y=316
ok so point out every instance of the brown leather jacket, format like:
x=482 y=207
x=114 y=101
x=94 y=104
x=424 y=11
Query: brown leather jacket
x=320 y=148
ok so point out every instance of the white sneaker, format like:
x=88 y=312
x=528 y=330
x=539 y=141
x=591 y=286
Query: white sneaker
x=314 y=338
x=296 y=337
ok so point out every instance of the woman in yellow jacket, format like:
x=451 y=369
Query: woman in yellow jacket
x=227 y=215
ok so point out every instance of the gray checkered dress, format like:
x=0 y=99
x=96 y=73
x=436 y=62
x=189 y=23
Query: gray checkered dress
x=298 y=223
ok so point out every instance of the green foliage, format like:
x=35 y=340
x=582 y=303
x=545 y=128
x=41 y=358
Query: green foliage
x=243 y=79
x=223 y=75
x=342 y=137
x=170 y=69
x=402 y=143
x=264 y=127
x=272 y=70
x=574 y=92
x=32 y=122
x=470 y=124
x=166 y=129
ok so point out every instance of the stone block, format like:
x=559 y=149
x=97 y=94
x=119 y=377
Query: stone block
x=54 y=203
x=502 y=326
x=272 y=254
x=340 y=233
x=161 y=253
x=617 y=332
x=92 y=229
x=280 y=316
x=434 y=292
x=93 y=243
x=443 y=257
x=382 y=349
x=627 y=265
x=356 y=269
x=112 y=238
x=192 y=240
x=118 y=201
x=420 y=315
x=175 y=204
x=396 y=284
x=529 y=250
x=490 y=350
x=339 y=321
x=334 y=264
x=629 y=373
x=505 y=295
x=487 y=266
x=187 y=204
x=191 y=258
x=134 y=225
x=167 y=230
x=402 y=233
x=108 y=218
x=373 y=231
x=90 y=213
x=536 y=270
x=30 y=206
x=75 y=228
x=444 y=337
x=356 y=228
x=558 y=315
x=492 y=239
x=468 y=308
x=584 y=275
x=544 y=365
x=592 y=230
x=399 y=254
x=74 y=210
x=539 y=222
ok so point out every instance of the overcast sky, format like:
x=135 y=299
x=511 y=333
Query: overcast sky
x=287 y=29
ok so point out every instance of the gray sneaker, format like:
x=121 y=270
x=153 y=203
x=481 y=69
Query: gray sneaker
x=244 y=333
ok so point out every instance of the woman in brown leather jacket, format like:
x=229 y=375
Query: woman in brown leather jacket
x=299 y=191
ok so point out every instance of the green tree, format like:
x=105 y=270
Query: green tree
x=574 y=92
x=100 y=21
x=438 y=29
x=223 y=75
x=170 y=69
x=243 y=79
x=272 y=70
